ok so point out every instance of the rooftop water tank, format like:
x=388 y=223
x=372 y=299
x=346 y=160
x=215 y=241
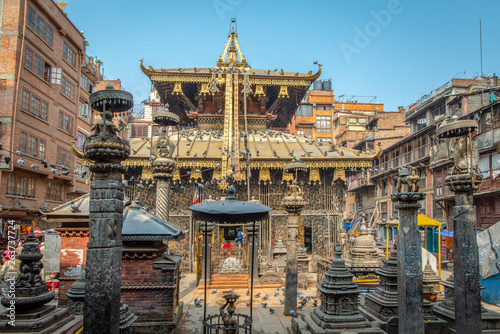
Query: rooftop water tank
x=327 y=85
x=318 y=85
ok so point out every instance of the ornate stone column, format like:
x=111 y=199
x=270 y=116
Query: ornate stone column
x=206 y=257
x=104 y=254
x=253 y=235
x=463 y=179
x=162 y=164
x=293 y=204
x=410 y=310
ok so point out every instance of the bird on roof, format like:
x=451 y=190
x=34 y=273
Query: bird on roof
x=74 y=207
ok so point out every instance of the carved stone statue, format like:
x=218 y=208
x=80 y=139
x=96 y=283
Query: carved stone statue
x=407 y=176
x=111 y=128
x=24 y=278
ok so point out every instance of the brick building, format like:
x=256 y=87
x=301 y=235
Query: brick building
x=371 y=189
x=45 y=82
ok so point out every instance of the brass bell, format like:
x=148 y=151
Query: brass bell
x=259 y=91
x=283 y=91
x=177 y=89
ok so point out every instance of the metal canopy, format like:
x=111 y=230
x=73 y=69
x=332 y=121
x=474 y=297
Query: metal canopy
x=230 y=210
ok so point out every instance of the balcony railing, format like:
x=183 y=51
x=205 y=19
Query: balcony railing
x=402 y=160
x=89 y=65
x=358 y=183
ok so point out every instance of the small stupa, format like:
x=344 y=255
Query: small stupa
x=431 y=283
x=364 y=257
x=339 y=304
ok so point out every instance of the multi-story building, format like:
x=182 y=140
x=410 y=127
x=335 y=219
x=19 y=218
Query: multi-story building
x=141 y=126
x=321 y=117
x=315 y=113
x=372 y=188
x=42 y=94
x=483 y=105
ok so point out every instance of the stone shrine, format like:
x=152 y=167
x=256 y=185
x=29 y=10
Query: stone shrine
x=382 y=305
x=29 y=295
x=364 y=257
x=339 y=304
x=430 y=284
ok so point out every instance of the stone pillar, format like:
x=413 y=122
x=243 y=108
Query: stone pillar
x=162 y=166
x=464 y=180
x=293 y=204
x=410 y=310
x=104 y=249
x=466 y=257
x=251 y=236
x=207 y=241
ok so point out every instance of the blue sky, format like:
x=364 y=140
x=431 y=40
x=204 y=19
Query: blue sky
x=395 y=50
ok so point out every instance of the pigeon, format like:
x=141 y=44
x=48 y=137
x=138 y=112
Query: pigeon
x=21 y=162
x=263 y=304
x=282 y=301
x=74 y=207
x=277 y=293
x=266 y=297
x=248 y=304
x=271 y=310
x=301 y=306
x=257 y=295
x=292 y=313
x=232 y=290
x=248 y=292
x=197 y=303
x=215 y=290
x=282 y=288
x=315 y=303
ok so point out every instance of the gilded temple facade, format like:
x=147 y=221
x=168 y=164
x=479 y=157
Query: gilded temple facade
x=232 y=121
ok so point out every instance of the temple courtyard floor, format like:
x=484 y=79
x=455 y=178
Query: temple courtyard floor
x=264 y=321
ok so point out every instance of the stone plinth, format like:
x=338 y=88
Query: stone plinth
x=338 y=312
x=490 y=321
x=279 y=249
x=382 y=305
x=76 y=295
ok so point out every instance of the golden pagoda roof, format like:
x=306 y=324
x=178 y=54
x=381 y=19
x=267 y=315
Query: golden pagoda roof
x=231 y=60
x=268 y=149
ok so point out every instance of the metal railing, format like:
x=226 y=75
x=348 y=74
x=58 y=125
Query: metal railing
x=402 y=160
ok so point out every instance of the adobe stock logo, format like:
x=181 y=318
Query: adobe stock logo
x=372 y=29
x=223 y=6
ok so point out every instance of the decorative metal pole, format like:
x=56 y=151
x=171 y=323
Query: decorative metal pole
x=162 y=164
x=293 y=204
x=104 y=250
x=410 y=288
x=464 y=179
